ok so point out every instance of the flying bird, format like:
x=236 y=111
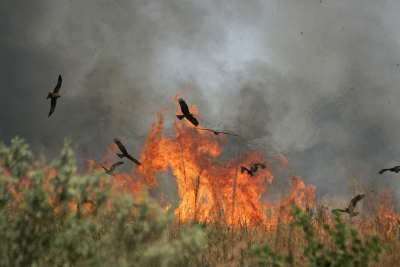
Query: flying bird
x=54 y=96
x=395 y=169
x=124 y=152
x=253 y=168
x=186 y=113
x=111 y=170
x=217 y=132
x=352 y=205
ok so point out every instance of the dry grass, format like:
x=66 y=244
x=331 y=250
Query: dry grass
x=229 y=246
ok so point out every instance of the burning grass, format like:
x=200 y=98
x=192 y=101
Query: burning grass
x=51 y=216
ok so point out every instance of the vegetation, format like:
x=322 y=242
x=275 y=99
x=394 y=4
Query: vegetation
x=52 y=216
x=347 y=250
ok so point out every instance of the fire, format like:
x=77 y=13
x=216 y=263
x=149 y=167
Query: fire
x=210 y=190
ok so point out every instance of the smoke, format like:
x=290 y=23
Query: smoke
x=300 y=78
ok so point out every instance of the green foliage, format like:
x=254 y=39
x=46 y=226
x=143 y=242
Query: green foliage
x=348 y=249
x=51 y=216
x=16 y=158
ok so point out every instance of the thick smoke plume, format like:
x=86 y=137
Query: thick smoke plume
x=300 y=78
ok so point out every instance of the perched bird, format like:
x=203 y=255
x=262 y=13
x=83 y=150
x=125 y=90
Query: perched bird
x=111 y=170
x=217 y=132
x=124 y=152
x=395 y=169
x=186 y=113
x=54 y=95
x=352 y=205
x=253 y=168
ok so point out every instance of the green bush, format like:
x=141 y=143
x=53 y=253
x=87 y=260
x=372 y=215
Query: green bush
x=348 y=248
x=52 y=216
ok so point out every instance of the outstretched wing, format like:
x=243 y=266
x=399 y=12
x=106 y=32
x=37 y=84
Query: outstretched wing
x=133 y=159
x=58 y=86
x=192 y=120
x=354 y=201
x=52 y=105
x=242 y=169
x=333 y=211
x=120 y=146
x=184 y=107
x=104 y=167
x=115 y=165
x=229 y=133
x=383 y=170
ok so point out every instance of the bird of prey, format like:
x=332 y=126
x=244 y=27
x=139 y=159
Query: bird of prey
x=253 y=168
x=54 y=95
x=352 y=205
x=124 y=152
x=217 y=132
x=186 y=113
x=111 y=170
x=395 y=169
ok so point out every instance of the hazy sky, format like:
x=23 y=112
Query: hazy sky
x=300 y=77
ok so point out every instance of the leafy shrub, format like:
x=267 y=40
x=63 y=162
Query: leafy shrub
x=51 y=216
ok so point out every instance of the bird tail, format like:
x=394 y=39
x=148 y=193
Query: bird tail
x=120 y=155
x=180 y=117
x=49 y=95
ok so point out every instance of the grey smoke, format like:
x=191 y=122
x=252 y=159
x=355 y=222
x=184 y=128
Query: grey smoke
x=301 y=78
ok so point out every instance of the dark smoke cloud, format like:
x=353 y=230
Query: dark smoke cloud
x=301 y=78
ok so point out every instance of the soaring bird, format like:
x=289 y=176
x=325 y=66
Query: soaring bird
x=253 y=168
x=217 y=132
x=111 y=170
x=54 y=95
x=186 y=113
x=395 y=169
x=352 y=205
x=124 y=152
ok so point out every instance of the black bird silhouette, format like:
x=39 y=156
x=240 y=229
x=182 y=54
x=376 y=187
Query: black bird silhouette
x=217 y=132
x=352 y=205
x=54 y=95
x=124 y=152
x=395 y=169
x=186 y=113
x=253 y=168
x=111 y=170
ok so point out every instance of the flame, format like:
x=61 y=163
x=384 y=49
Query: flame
x=210 y=190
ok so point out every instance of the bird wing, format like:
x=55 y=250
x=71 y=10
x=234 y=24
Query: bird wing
x=192 y=120
x=338 y=210
x=354 y=201
x=52 y=105
x=58 y=86
x=120 y=146
x=115 y=165
x=104 y=167
x=184 y=107
x=383 y=170
x=133 y=159
x=229 y=133
x=242 y=169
